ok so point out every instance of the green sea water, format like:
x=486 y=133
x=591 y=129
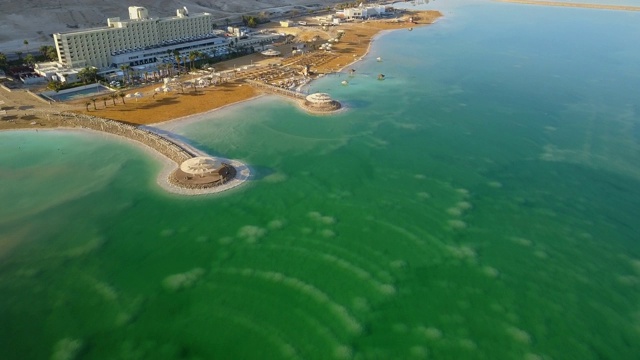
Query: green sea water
x=481 y=202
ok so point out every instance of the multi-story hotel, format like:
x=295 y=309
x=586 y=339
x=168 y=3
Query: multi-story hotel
x=139 y=40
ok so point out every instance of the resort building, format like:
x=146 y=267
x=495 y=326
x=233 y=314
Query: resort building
x=362 y=12
x=138 y=40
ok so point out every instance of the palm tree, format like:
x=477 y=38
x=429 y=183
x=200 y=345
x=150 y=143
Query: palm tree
x=26 y=45
x=183 y=60
x=113 y=97
x=176 y=54
x=124 y=68
x=161 y=69
x=122 y=95
x=169 y=68
x=87 y=105
x=94 y=103
x=192 y=57
x=204 y=56
x=19 y=55
x=29 y=59
x=44 y=49
x=130 y=74
x=52 y=53
x=105 y=98
x=54 y=85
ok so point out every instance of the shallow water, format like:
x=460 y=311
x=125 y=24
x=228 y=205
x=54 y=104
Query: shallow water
x=481 y=202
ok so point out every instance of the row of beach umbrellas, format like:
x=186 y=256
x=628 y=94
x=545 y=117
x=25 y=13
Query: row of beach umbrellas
x=136 y=95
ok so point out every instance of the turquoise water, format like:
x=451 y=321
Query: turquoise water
x=481 y=202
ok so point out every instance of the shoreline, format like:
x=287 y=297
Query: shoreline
x=211 y=100
x=168 y=166
x=573 y=5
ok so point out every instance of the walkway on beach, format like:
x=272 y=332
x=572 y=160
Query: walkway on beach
x=277 y=90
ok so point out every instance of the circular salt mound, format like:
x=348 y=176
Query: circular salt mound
x=200 y=165
x=321 y=102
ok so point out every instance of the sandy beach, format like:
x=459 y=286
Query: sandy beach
x=153 y=108
x=25 y=110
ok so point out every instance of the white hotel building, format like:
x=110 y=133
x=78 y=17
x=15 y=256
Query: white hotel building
x=139 y=40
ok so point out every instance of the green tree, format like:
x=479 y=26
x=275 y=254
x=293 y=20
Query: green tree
x=122 y=95
x=161 y=69
x=55 y=85
x=29 y=59
x=19 y=55
x=44 y=49
x=113 y=97
x=176 y=55
x=125 y=71
x=26 y=45
x=192 y=58
x=104 y=99
x=252 y=22
x=52 y=53
x=88 y=74
x=205 y=56
x=3 y=60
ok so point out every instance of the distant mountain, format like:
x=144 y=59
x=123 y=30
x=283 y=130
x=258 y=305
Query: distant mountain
x=36 y=20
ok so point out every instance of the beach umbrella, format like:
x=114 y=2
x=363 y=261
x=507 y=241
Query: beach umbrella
x=137 y=95
x=158 y=89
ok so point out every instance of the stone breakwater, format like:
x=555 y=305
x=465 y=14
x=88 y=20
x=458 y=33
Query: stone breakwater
x=174 y=180
x=166 y=147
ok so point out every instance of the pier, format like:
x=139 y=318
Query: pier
x=277 y=90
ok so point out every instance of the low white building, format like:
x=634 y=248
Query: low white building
x=47 y=69
x=363 y=12
x=53 y=71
